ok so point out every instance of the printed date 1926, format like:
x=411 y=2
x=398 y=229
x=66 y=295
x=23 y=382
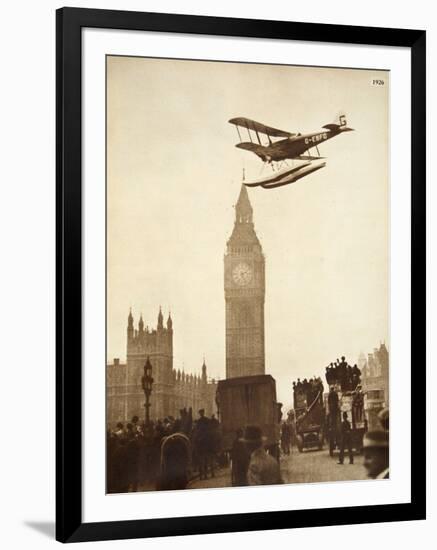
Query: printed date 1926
x=377 y=82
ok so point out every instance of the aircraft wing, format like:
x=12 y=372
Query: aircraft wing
x=249 y=146
x=309 y=157
x=259 y=127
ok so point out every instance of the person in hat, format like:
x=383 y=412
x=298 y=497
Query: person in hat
x=202 y=443
x=285 y=438
x=263 y=468
x=119 y=432
x=240 y=460
x=383 y=417
x=346 y=440
x=376 y=454
x=332 y=401
x=135 y=424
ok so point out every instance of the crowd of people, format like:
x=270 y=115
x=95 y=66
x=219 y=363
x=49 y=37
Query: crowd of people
x=305 y=392
x=345 y=375
x=164 y=454
x=167 y=453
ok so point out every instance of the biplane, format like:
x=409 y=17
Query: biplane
x=289 y=146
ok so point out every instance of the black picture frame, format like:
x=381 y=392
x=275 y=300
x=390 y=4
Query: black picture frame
x=69 y=24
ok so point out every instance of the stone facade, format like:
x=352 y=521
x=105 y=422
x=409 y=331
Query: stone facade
x=375 y=370
x=244 y=285
x=172 y=389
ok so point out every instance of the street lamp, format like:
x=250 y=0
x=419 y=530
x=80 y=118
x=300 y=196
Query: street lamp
x=147 y=383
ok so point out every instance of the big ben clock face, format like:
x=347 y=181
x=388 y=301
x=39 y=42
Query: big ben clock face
x=242 y=274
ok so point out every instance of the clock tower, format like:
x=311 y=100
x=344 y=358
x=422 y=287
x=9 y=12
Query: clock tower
x=244 y=295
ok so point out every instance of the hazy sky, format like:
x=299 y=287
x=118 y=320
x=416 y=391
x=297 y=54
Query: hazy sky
x=174 y=176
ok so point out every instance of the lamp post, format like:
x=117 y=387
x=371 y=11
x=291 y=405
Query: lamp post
x=147 y=383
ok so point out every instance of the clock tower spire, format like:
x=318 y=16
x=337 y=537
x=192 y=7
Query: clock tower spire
x=243 y=208
x=244 y=274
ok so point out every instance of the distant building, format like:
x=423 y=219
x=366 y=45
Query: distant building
x=362 y=362
x=375 y=371
x=244 y=284
x=172 y=389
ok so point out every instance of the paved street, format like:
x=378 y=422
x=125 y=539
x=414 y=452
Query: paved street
x=306 y=467
x=317 y=466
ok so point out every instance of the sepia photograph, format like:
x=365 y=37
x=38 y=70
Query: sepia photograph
x=247 y=274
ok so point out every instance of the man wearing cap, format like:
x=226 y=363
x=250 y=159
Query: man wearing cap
x=263 y=469
x=376 y=454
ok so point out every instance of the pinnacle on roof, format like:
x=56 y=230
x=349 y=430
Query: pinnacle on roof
x=160 y=318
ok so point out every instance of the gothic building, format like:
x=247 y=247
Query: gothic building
x=244 y=285
x=172 y=389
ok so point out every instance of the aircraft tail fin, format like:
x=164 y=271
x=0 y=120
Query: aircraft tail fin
x=339 y=124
